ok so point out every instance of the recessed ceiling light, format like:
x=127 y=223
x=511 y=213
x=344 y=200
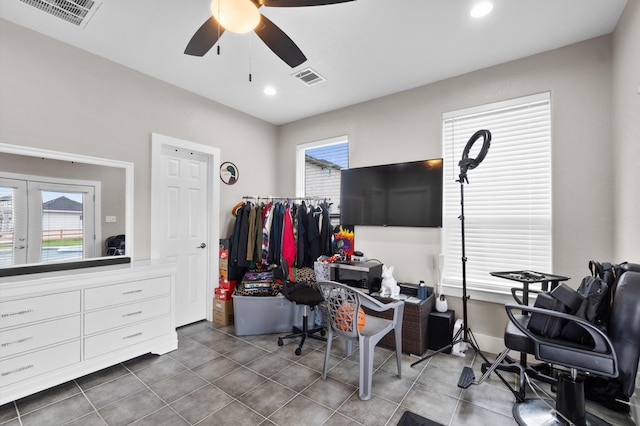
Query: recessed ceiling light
x=481 y=9
x=270 y=91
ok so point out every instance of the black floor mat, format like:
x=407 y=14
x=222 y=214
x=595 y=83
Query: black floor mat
x=412 y=419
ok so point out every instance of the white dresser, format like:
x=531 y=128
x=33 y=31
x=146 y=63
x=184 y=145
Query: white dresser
x=55 y=327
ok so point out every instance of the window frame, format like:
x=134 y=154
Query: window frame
x=480 y=285
x=301 y=161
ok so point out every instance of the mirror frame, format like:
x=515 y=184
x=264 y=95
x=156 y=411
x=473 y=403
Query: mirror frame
x=33 y=268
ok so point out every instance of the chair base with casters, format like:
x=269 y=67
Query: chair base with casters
x=300 y=294
x=303 y=333
x=343 y=309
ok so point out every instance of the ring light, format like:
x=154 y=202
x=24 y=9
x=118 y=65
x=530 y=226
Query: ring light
x=467 y=163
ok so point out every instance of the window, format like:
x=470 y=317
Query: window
x=318 y=171
x=60 y=214
x=507 y=201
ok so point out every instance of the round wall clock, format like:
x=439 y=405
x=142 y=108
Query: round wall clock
x=229 y=173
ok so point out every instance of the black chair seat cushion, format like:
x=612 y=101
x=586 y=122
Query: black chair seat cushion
x=515 y=339
x=309 y=296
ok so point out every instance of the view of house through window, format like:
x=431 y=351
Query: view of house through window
x=318 y=171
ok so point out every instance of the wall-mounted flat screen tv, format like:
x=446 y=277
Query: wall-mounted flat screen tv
x=404 y=194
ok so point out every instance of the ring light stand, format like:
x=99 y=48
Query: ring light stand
x=464 y=334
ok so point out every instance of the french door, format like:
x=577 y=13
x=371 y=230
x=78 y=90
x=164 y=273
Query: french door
x=46 y=221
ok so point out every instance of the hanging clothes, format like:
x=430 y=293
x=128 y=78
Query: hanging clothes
x=263 y=234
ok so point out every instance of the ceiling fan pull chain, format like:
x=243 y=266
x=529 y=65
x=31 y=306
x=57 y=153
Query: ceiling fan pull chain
x=250 y=37
x=218 y=26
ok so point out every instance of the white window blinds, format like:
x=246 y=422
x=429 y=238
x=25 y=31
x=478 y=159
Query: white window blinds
x=507 y=201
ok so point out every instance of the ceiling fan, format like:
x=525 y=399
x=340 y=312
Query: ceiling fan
x=243 y=16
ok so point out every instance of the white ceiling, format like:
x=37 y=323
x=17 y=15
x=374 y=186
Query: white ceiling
x=365 y=49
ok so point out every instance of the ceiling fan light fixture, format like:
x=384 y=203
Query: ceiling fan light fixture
x=237 y=16
x=481 y=9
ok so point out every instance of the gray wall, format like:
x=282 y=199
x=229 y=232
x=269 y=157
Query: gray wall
x=61 y=98
x=626 y=134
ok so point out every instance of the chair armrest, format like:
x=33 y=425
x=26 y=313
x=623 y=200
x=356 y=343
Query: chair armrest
x=601 y=340
x=517 y=298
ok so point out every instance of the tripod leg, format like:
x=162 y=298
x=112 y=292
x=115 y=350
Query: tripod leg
x=457 y=338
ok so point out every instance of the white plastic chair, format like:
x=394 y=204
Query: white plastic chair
x=342 y=304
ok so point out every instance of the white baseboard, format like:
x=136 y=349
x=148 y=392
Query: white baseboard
x=489 y=344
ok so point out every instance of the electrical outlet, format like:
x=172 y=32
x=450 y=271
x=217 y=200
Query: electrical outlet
x=110 y=219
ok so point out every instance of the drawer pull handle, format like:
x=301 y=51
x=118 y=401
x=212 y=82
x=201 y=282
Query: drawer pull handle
x=132 y=314
x=26 y=339
x=17 y=370
x=132 y=292
x=13 y=314
x=132 y=335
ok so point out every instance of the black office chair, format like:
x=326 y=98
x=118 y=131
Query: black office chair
x=309 y=298
x=614 y=354
x=115 y=245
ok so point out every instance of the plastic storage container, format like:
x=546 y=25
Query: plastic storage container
x=262 y=314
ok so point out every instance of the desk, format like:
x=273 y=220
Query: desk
x=415 y=323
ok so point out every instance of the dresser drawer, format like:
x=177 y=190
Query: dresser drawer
x=126 y=314
x=23 y=367
x=100 y=297
x=127 y=336
x=23 y=311
x=38 y=335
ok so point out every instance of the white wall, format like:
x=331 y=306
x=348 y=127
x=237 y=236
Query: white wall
x=626 y=134
x=407 y=126
x=58 y=97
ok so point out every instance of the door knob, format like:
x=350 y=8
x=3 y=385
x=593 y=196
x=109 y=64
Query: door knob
x=202 y=245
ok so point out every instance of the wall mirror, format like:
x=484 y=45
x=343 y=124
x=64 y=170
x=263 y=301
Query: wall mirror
x=63 y=211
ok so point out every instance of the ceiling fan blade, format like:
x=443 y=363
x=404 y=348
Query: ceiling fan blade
x=205 y=38
x=279 y=42
x=300 y=3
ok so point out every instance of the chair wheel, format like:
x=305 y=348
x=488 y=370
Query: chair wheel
x=323 y=332
x=280 y=342
x=298 y=351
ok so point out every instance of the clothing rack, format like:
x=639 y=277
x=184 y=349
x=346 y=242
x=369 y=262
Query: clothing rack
x=273 y=198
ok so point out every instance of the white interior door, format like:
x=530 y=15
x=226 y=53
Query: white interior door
x=181 y=224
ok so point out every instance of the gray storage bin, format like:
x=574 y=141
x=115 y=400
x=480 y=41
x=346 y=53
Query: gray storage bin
x=262 y=314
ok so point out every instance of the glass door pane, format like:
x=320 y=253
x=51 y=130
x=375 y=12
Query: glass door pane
x=62 y=226
x=13 y=246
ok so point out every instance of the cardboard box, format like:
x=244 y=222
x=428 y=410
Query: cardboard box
x=224 y=274
x=223 y=312
x=226 y=284
x=222 y=294
x=223 y=264
x=224 y=249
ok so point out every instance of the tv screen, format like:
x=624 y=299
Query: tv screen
x=404 y=194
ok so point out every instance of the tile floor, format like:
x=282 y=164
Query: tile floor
x=216 y=378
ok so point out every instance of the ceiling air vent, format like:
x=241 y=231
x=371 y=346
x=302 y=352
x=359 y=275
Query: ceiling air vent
x=77 y=12
x=309 y=77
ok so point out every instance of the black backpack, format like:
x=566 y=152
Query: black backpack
x=595 y=289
